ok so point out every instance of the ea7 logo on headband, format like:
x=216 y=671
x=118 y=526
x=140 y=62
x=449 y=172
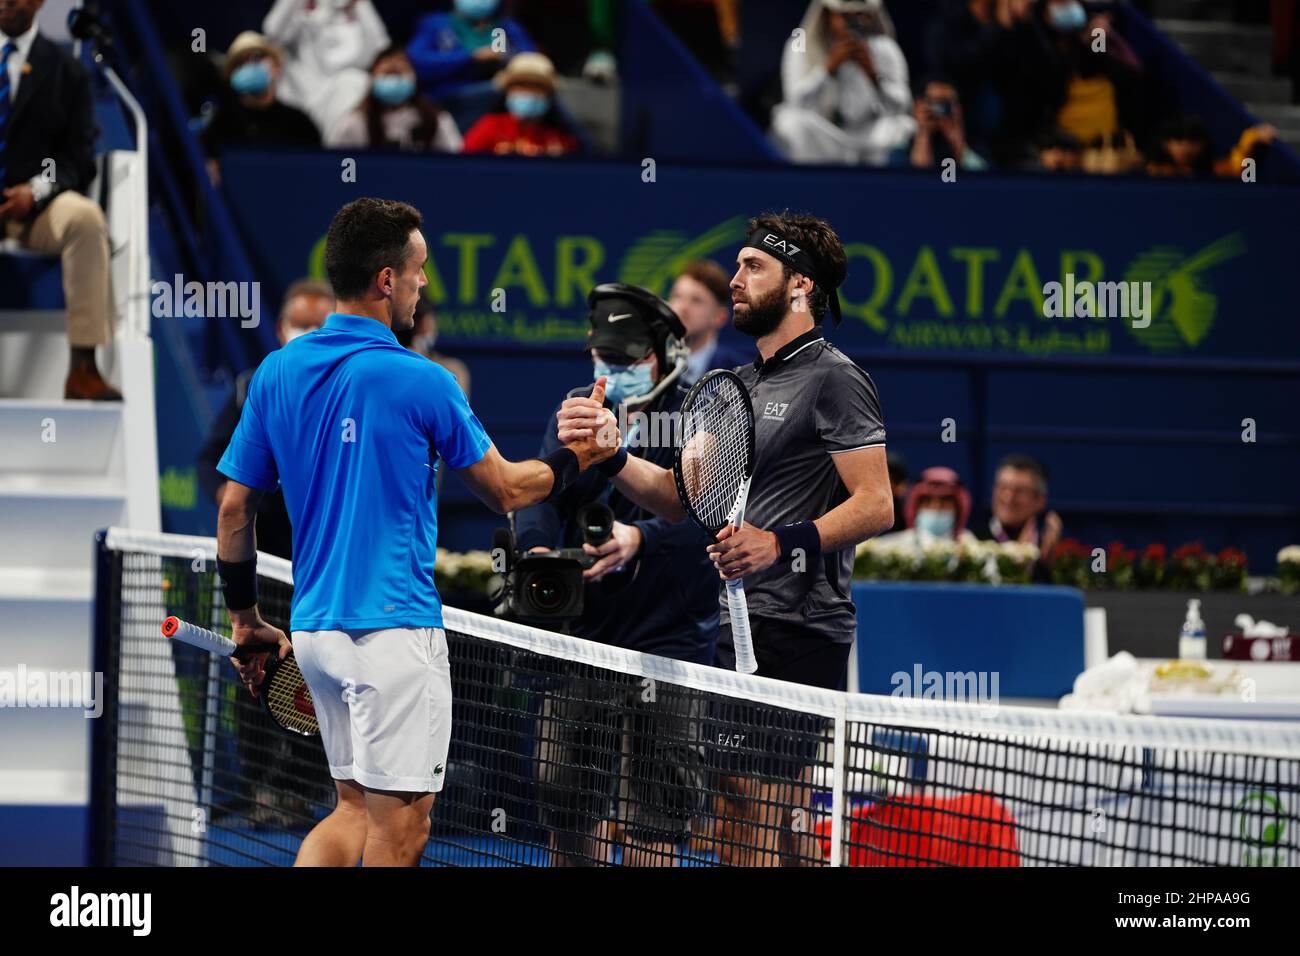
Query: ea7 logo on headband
x=776 y=242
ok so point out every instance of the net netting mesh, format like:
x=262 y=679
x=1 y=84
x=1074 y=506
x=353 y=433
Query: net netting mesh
x=566 y=752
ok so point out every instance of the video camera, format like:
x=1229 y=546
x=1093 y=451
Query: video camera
x=547 y=587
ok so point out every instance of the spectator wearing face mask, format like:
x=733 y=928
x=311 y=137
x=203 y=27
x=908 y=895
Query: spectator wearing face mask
x=468 y=45
x=844 y=82
x=252 y=114
x=940 y=134
x=701 y=297
x=1094 y=95
x=395 y=114
x=328 y=45
x=651 y=587
x=937 y=509
x=527 y=122
x=304 y=309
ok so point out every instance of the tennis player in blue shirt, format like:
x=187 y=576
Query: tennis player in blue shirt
x=353 y=428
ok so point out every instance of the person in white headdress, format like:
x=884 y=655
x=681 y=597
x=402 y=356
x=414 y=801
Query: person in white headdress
x=845 y=88
x=330 y=45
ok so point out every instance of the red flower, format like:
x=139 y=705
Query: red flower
x=1154 y=552
x=1194 y=549
x=1232 y=556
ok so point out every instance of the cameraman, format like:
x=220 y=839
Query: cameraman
x=651 y=588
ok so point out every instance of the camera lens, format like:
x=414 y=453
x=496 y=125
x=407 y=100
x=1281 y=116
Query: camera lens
x=546 y=592
x=597 y=523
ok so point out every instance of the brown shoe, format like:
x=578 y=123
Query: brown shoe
x=85 y=382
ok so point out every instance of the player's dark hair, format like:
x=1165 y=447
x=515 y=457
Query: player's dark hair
x=1018 y=462
x=367 y=235
x=819 y=239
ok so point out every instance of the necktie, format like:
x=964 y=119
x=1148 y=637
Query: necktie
x=4 y=101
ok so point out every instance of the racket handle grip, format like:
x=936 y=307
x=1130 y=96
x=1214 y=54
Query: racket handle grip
x=741 y=639
x=199 y=637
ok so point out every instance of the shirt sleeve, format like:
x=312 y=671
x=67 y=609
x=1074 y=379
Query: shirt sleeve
x=448 y=421
x=848 y=412
x=248 y=458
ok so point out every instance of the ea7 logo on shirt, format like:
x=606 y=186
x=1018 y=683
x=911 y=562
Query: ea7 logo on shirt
x=775 y=411
x=776 y=242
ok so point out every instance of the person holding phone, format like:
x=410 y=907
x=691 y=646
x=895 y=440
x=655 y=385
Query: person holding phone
x=844 y=84
x=940 y=135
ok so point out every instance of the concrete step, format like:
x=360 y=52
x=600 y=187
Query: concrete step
x=54 y=528
x=1223 y=47
x=1191 y=9
x=1256 y=90
x=59 y=436
x=1281 y=115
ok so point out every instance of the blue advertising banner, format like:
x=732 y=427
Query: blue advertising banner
x=984 y=266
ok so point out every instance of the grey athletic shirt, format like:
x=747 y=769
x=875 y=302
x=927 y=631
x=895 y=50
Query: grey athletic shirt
x=810 y=403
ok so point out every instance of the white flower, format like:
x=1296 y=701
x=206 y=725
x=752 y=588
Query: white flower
x=1018 y=552
x=1289 y=555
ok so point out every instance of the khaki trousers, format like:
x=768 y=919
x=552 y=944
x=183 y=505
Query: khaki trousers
x=73 y=227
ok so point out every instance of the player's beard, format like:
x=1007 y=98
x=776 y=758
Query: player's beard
x=762 y=316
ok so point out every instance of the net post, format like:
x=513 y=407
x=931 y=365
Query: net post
x=839 y=744
x=102 y=803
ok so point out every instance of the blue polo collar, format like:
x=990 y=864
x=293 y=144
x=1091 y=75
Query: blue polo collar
x=359 y=325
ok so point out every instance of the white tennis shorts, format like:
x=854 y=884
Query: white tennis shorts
x=383 y=700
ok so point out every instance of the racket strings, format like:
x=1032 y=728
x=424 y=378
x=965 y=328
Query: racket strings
x=715 y=449
x=289 y=699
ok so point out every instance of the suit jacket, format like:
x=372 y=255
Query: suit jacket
x=52 y=118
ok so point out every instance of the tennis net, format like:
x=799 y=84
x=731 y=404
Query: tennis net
x=568 y=752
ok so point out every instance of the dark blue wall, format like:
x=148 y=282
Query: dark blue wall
x=1141 y=428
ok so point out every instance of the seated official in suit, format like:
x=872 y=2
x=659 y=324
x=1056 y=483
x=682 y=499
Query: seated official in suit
x=47 y=160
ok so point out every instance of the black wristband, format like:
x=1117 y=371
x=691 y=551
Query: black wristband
x=801 y=535
x=614 y=464
x=239 y=583
x=563 y=463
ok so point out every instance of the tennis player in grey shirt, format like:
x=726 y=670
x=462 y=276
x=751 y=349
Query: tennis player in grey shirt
x=820 y=486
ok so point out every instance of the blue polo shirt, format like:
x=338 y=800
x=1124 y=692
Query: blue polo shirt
x=352 y=426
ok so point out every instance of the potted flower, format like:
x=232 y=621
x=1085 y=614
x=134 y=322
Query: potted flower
x=1229 y=571
x=1190 y=568
x=1070 y=564
x=1121 y=569
x=1288 y=569
x=1015 y=562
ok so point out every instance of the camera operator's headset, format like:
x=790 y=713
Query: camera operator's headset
x=671 y=350
x=669 y=333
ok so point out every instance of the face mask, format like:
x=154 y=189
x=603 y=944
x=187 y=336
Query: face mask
x=251 y=78
x=293 y=333
x=476 y=9
x=1068 y=18
x=393 y=88
x=625 y=381
x=424 y=343
x=527 y=106
x=936 y=522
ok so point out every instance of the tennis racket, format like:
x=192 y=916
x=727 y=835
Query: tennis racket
x=712 y=467
x=284 y=693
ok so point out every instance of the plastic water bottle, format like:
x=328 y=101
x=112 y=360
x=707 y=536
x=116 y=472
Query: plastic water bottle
x=1191 y=642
